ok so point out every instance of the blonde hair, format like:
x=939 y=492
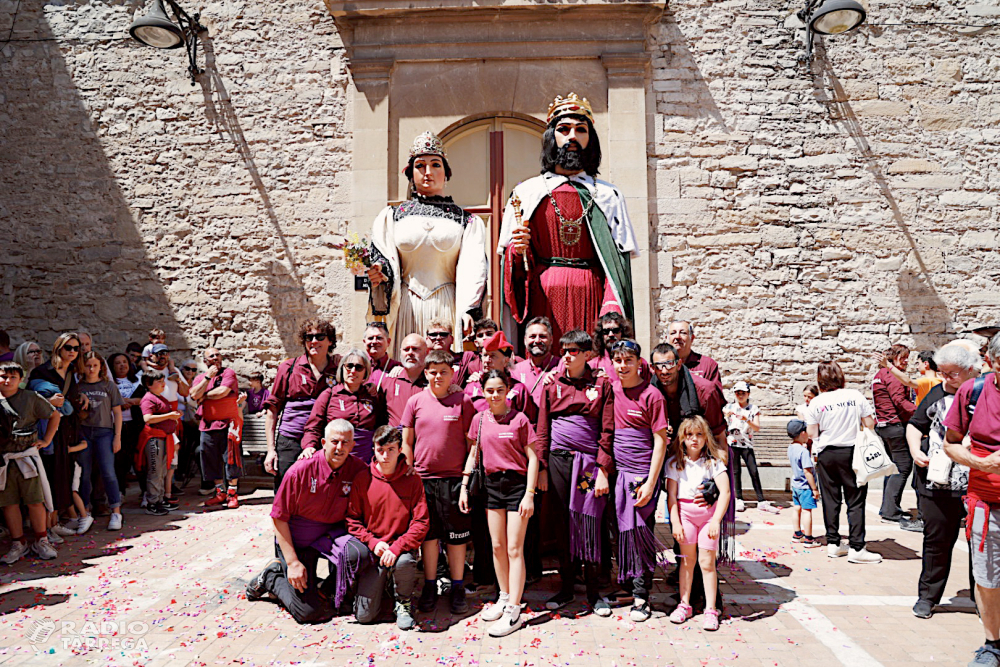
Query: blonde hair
x=60 y=343
x=713 y=450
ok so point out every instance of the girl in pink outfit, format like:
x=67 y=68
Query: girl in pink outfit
x=697 y=459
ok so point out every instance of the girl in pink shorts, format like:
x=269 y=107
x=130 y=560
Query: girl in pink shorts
x=697 y=459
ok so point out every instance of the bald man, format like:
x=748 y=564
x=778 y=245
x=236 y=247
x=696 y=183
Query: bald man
x=217 y=392
x=680 y=334
x=401 y=383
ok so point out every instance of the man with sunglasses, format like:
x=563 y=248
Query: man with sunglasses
x=680 y=334
x=297 y=385
x=377 y=342
x=439 y=337
x=608 y=330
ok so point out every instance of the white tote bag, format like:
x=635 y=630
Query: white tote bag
x=871 y=461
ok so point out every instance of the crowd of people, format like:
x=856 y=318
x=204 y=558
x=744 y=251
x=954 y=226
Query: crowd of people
x=389 y=469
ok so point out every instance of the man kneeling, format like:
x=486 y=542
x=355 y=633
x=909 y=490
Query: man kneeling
x=308 y=512
x=388 y=515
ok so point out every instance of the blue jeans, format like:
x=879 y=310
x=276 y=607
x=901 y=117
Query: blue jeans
x=99 y=446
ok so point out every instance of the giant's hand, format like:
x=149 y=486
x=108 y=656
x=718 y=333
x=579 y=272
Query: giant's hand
x=520 y=238
x=375 y=275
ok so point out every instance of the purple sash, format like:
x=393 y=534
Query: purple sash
x=579 y=435
x=364 y=444
x=330 y=540
x=294 y=417
x=637 y=545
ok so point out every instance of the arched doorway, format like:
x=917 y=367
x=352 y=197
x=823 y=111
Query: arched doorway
x=489 y=155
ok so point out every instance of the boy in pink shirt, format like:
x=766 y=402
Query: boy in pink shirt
x=435 y=424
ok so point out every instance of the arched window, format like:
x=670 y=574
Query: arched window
x=489 y=155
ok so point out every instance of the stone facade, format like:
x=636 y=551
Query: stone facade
x=796 y=214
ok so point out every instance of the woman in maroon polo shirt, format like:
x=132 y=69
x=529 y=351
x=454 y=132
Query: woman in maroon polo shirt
x=353 y=398
x=296 y=387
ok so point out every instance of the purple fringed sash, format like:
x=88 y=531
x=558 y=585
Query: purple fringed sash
x=330 y=540
x=364 y=444
x=637 y=545
x=579 y=435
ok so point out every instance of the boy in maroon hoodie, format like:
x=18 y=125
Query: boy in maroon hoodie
x=387 y=513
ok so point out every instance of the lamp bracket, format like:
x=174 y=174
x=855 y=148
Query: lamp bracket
x=190 y=26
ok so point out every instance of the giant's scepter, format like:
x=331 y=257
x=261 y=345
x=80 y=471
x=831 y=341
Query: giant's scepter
x=515 y=202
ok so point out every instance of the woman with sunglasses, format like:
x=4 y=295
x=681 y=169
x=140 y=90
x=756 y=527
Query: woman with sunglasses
x=29 y=355
x=188 y=466
x=55 y=380
x=297 y=385
x=353 y=398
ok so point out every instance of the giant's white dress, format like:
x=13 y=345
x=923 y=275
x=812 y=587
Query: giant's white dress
x=434 y=256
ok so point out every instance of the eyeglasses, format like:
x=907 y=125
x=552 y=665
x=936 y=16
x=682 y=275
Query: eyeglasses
x=71 y=348
x=357 y=368
x=611 y=330
x=438 y=334
x=572 y=351
x=952 y=375
x=319 y=337
x=664 y=365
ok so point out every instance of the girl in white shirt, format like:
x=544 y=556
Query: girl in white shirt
x=697 y=458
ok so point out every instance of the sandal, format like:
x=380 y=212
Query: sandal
x=682 y=613
x=711 y=622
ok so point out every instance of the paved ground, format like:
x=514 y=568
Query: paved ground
x=169 y=591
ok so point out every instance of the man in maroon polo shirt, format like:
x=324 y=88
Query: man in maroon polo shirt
x=893 y=409
x=687 y=394
x=680 y=334
x=539 y=359
x=439 y=337
x=309 y=513
x=377 y=342
x=217 y=392
x=407 y=380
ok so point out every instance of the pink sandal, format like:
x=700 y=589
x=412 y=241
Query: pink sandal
x=711 y=622
x=682 y=613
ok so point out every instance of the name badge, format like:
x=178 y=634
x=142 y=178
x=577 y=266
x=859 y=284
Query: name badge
x=451 y=418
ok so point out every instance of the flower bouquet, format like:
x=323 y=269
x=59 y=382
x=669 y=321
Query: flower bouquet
x=357 y=254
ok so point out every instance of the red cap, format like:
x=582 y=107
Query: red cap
x=497 y=342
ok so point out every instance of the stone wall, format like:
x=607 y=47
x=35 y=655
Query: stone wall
x=805 y=214
x=799 y=213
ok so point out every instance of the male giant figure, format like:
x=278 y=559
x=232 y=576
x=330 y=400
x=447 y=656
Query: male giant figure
x=569 y=259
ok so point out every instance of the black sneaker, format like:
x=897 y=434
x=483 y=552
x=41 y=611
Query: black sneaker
x=559 y=600
x=171 y=503
x=428 y=597
x=923 y=609
x=157 y=509
x=255 y=589
x=914 y=526
x=458 y=603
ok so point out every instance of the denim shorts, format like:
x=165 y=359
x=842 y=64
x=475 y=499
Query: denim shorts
x=804 y=498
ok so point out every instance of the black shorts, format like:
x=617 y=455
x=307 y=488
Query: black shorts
x=505 y=490
x=448 y=523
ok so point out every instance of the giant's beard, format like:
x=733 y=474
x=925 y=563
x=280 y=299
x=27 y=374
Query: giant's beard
x=570 y=160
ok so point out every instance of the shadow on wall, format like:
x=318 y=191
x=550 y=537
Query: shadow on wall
x=925 y=312
x=290 y=305
x=74 y=256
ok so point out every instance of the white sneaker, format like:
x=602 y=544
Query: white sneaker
x=766 y=506
x=84 y=524
x=740 y=506
x=44 y=549
x=54 y=538
x=115 y=523
x=16 y=553
x=496 y=610
x=66 y=530
x=837 y=550
x=508 y=623
x=862 y=555
x=144 y=504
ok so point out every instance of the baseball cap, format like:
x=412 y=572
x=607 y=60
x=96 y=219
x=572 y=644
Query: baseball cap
x=795 y=427
x=741 y=386
x=159 y=347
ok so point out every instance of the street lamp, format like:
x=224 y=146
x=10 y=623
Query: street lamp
x=830 y=17
x=157 y=30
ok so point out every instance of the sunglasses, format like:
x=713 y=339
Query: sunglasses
x=189 y=370
x=438 y=334
x=357 y=368
x=71 y=348
x=626 y=346
x=664 y=365
x=572 y=351
x=611 y=330
x=38 y=352
x=378 y=325
x=316 y=337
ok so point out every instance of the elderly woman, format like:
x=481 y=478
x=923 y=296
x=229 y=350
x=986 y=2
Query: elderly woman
x=29 y=355
x=832 y=420
x=975 y=413
x=430 y=254
x=353 y=398
x=940 y=501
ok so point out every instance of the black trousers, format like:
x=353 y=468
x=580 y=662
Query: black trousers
x=942 y=524
x=894 y=437
x=309 y=606
x=124 y=459
x=839 y=483
x=642 y=585
x=288 y=451
x=746 y=453
x=483 y=570
x=560 y=483
x=188 y=463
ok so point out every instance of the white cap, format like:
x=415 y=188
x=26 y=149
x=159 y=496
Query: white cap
x=741 y=386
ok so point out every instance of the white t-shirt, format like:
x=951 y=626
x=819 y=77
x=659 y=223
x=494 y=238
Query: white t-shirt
x=738 y=432
x=694 y=473
x=838 y=414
